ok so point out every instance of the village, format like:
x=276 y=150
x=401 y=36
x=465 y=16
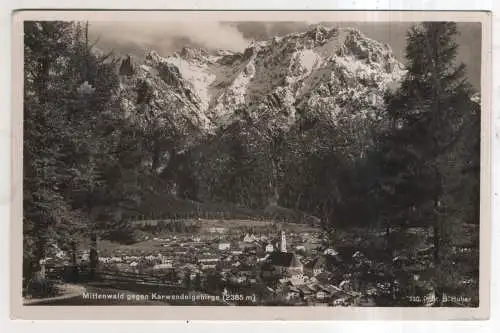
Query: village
x=258 y=263
x=267 y=265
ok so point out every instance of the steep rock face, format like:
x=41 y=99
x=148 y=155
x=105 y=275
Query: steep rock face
x=159 y=92
x=318 y=72
x=127 y=66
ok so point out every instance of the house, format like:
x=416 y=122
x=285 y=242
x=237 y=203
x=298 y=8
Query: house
x=359 y=257
x=315 y=266
x=304 y=291
x=331 y=289
x=224 y=246
x=150 y=258
x=263 y=259
x=189 y=267
x=163 y=266
x=208 y=260
x=298 y=280
x=282 y=264
x=313 y=287
x=163 y=259
x=324 y=277
x=321 y=295
x=330 y=252
x=300 y=248
x=85 y=256
x=245 y=268
x=323 y=263
x=104 y=259
x=292 y=293
x=204 y=267
x=238 y=279
x=345 y=285
x=269 y=248
x=245 y=247
x=249 y=238
x=217 y=230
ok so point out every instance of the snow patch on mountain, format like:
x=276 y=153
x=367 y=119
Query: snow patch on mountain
x=309 y=60
x=235 y=93
x=303 y=63
x=198 y=75
x=318 y=72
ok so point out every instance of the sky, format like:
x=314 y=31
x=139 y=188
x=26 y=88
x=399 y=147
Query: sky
x=167 y=37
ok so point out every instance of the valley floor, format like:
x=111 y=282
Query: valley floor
x=226 y=262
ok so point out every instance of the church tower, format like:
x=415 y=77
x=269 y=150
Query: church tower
x=283 y=242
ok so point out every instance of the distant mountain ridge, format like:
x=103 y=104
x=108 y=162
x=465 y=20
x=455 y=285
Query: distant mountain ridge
x=316 y=72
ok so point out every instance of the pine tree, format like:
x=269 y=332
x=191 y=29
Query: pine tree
x=47 y=46
x=83 y=167
x=430 y=114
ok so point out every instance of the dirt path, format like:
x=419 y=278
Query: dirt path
x=68 y=290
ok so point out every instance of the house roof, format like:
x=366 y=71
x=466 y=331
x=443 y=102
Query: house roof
x=283 y=259
x=323 y=259
x=304 y=289
x=324 y=277
x=311 y=263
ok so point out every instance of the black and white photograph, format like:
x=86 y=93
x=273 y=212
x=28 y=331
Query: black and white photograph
x=301 y=163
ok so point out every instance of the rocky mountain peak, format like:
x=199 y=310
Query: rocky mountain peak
x=316 y=72
x=320 y=33
x=152 y=58
x=127 y=66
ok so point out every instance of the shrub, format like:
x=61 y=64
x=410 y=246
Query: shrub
x=41 y=288
x=126 y=236
x=71 y=274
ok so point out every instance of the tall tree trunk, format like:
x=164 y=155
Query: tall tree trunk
x=297 y=202
x=41 y=79
x=40 y=247
x=93 y=256
x=73 y=253
x=437 y=258
x=437 y=243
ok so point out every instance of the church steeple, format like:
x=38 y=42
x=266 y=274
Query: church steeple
x=283 y=242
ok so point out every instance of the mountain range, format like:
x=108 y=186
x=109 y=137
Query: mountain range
x=299 y=75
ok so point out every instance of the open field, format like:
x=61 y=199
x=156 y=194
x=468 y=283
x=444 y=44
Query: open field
x=152 y=237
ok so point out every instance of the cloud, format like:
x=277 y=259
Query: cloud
x=166 y=37
x=266 y=30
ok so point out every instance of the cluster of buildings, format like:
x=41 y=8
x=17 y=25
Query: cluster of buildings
x=275 y=267
x=291 y=268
